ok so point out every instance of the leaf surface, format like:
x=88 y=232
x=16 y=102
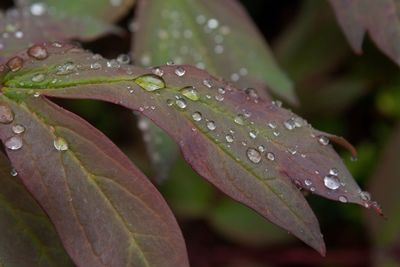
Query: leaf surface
x=217 y=36
x=378 y=18
x=105 y=210
x=253 y=150
x=27 y=236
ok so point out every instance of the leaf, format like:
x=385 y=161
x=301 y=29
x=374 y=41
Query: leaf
x=105 y=210
x=252 y=150
x=379 y=18
x=209 y=34
x=384 y=184
x=102 y=10
x=27 y=237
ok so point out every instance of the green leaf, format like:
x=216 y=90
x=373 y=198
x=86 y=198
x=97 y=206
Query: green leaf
x=379 y=18
x=105 y=210
x=27 y=237
x=252 y=150
x=210 y=35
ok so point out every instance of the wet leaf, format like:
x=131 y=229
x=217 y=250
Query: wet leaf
x=28 y=238
x=385 y=184
x=105 y=210
x=251 y=149
x=209 y=34
x=379 y=18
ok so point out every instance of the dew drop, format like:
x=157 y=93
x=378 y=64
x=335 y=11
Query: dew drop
x=239 y=119
x=180 y=71
x=13 y=172
x=207 y=83
x=123 y=59
x=38 y=78
x=253 y=134
x=270 y=156
x=272 y=125
x=158 y=71
x=323 y=140
x=343 y=199
x=251 y=92
x=66 y=68
x=219 y=98
x=197 y=116
x=261 y=148
x=18 y=129
x=229 y=138
x=14 y=142
x=15 y=63
x=38 y=52
x=211 y=125
x=191 y=93
x=60 y=144
x=6 y=114
x=365 y=196
x=290 y=124
x=331 y=182
x=150 y=82
x=37 y=9
x=181 y=103
x=95 y=66
x=307 y=182
x=221 y=90
x=253 y=155
x=334 y=172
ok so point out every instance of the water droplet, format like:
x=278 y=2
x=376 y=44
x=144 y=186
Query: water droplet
x=212 y=23
x=15 y=63
x=253 y=155
x=331 y=182
x=221 y=90
x=150 y=82
x=334 y=172
x=158 y=71
x=38 y=78
x=38 y=52
x=290 y=124
x=365 y=196
x=272 y=125
x=180 y=71
x=197 y=116
x=211 y=125
x=14 y=142
x=13 y=172
x=66 y=68
x=229 y=138
x=181 y=103
x=36 y=94
x=253 y=134
x=323 y=140
x=37 y=9
x=6 y=114
x=60 y=144
x=191 y=93
x=239 y=119
x=124 y=59
x=251 y=92
x=343 y=199
x=219 y=98
x=270 y=156
x=277 y=103
x=307 y=182
x=95 y=66
x=207 y=83
x=18 y=129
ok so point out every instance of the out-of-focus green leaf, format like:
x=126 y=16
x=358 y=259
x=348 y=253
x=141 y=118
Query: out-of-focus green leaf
x=385 y=184
x=379 y=18
x=27 y=237
x=214 y=35
x=188 y=195
x=244 y=226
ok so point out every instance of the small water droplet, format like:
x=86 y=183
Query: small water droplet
x=261 y=148
x=18 y=129
x=191 y=93
x=124 y=59
x=219 y=98
x=323 y=140
x=181 y=103
x=289 y=124
x=251 y=92
x=37 y=78
x=270 y=156
x=66 y=68
x=207 y=83
x=253 y=155
x=38 y=52
x=6 y=114
x=158 y=71
x=150 y=82
x=211 y=125
x=221 y=90
x=15 y=63
x=229 y=138
x=334 y=172
x=197 y=116
x=13 y=172
x=365 y=196
x=343 y=199
x=239 y=119
x=272 y=125
x=60 y=144
x=253 y=134
x=180 y=71
x=307 y=182
x=331 y=182
x=14 y=142
x=95 y=66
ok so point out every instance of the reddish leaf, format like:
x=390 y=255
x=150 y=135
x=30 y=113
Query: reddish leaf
x=254 y=151
x=27 y=237
x=379 y=18
x=105 y=210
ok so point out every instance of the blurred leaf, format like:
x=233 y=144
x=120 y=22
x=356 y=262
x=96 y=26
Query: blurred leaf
x=379 y=18
x=188 y=195
x=385 y=184
x=209 y=34
x=244 y=226
x=27 y=237
x=105 y=210
x=388 y=99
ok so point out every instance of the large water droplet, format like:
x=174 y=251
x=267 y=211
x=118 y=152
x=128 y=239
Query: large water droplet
x=150 y=82
x=15 y=63
x=197 y=116
x=14 y=142
x=180 y=71
x=323 y=140
x=38 y=52
x=18 y=129
x=6 y=114
x=211 y=125
x=331 y=182
x=191 y=93
x=253 y=155
x=60 y=144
